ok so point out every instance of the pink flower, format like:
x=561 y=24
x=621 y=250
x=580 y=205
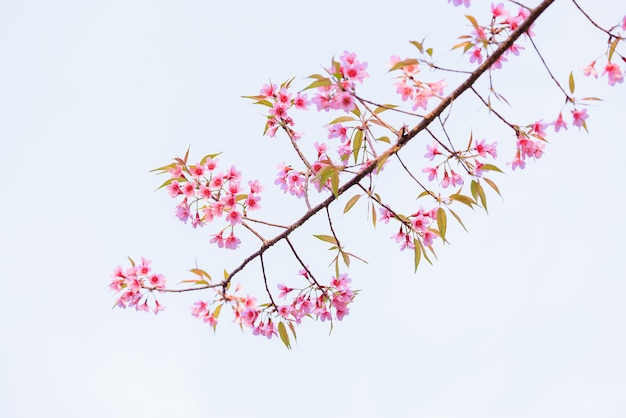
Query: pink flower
x=338 y=131
x=344 y=101
x=483 y=149
x=590 y=70
x=196 y=170
x=420 y=223
x=624 y=23
x=538 y=128
x=559 y=123
x=498 y=10
x=157 y=307
x=385 y=215
x=446 y=180
x=428 y=237
x=252 y=202
x=232 y=242
x=188 y=189
x=182 y=211
x=341 y=282
x=157 y=281
x=218 y=239
x=285 y=311
x=268 y=90
x=476 y=56
x=234 y=217
x=255 y=186
x=173 y=189
x=432 y=172
x=579 y=117
x=432 y=151
x=614 y=73
x=301 y=102
x=518 y=162
x=249 y=316
x=284 y=290
x=456 y=179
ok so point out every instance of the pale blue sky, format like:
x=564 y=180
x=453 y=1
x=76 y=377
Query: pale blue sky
x=522 y=317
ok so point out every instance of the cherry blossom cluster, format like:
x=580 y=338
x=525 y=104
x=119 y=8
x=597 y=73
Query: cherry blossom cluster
x=611 y=69
x=471 y=161
x=485 y=39
x=322 y=302
x=137 y=285
x=280 y=101
x=412 y=89
x=419 y=226
x=337 y=92
x=208 y=194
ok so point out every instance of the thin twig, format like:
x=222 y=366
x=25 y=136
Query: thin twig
x=265 y=280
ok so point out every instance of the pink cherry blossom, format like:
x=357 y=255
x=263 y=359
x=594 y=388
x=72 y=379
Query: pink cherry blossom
x=301 y=102
x=498 y=10
x=231 y=242
x=173 y=189
x=483 y=149
x=590 y=70
x=432 y=172
x=432 y=151
x=157 y=281
x=538 y=129
x=579 y=117
x=337 y=130
x=614 y=73
x=518 y=162
x=218 y=239
x=284 y=290
x=476 y=56
x=182 y=211
x=268 y=90
x=428 y=238
x=559 y=123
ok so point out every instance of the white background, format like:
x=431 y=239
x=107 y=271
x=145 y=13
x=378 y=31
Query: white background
x=522 y=317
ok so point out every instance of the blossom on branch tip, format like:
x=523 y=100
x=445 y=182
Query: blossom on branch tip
x=579 y=117
x=614 y=73
x=559 y=123
x=590 y=70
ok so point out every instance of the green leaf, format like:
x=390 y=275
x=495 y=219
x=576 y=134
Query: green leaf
x=132 y=262
x=342 y=119
x=357 y=143
x=216 y=311
x=417 y=253
x=465 y=45
x=572 y=85
x=612 y=49
x=373 y=215
x=492 y=184
x=472 y=21
x=483 y=197
x=418 y=45
x=442 y=223
x=381 y=109
x=474 y=189
x=351 y=202
x=319 y=83
x=490 y=167
x=334 y=182
x=168 y=181
x=293 y=330
x=384 y=139
x=327 y=238
x=404 y=63
x=458 y=219
x=429 y=51
x=284 y=337
x=201 y=273
x=346 y=258
x=466 y=200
